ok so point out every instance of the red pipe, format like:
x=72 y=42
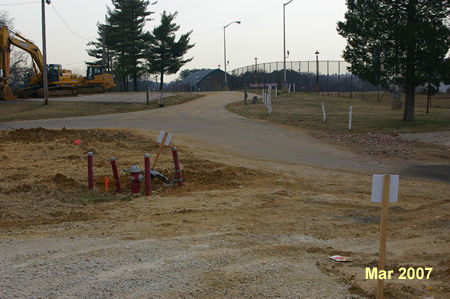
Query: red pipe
x=91 y=170
x=148 y=175
x=177 y=167
x=116 y=174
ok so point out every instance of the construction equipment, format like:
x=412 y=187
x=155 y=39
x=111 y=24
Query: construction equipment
x=60 y=82
x=96 y=80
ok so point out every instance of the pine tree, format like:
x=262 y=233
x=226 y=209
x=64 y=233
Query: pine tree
x=100 y=49
x=165 y=55
x=397 y=42
x=127 y=38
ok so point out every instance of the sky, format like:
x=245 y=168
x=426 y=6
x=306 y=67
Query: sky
x=310 y=26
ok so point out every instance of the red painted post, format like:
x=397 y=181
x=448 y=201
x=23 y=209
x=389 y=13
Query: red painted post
x=177 y=167
x=148 y=178
x=91 y=171
x=116 y=174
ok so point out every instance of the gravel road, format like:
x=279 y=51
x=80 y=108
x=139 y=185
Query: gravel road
x=207 y=120
x=89 y=267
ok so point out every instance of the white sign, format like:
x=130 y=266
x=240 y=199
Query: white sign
x=161 y=137
x=377 y=188
x=350 y=118
x=269 y=99
x=323 y=113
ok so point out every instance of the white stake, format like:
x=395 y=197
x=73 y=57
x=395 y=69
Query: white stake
x=276 y=92
x=350 y=119
x=324 y=114
x=269 y=100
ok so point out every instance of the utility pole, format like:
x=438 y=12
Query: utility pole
x=317 y=72
x=256 y=75
x=44 y=53
x=225 y=62
x=284 y=41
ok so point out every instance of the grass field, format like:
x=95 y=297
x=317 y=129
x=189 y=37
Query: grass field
x=34 y=110
x=369 y=115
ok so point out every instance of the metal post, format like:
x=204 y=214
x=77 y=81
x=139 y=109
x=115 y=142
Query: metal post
x=284 y=44
x=317 y=72
x=44 y=54
x=148 y=175
x=225 y=51
x=116 y=174
x=300 y=76
x=309 y=79
x=284 y=40
x=256 y=75
x=225 y=58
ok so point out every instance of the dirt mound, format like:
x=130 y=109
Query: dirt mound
x=47 y=172
x=63 y=181
x=375 y=144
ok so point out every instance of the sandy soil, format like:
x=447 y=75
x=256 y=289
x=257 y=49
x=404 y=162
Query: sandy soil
x=239 y=228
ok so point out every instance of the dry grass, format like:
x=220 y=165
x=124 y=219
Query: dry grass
x=33 y=110
x=369 y=115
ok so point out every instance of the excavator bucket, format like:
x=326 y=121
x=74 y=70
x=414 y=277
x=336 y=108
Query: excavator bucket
x=6 y=94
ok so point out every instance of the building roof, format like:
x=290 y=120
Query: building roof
x=198 y=76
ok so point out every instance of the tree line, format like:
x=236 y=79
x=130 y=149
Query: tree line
x=404 y=43
x=124 y=48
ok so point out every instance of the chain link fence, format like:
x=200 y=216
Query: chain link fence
x=323 y=76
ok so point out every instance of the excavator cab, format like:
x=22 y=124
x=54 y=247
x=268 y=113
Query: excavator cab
x=54 y=72
x=93 y=70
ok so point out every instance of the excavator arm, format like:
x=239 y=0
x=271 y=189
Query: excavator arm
x=5 y=52
x=36 y=55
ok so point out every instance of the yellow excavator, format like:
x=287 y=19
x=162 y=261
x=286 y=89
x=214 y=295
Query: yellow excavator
x=60 y=82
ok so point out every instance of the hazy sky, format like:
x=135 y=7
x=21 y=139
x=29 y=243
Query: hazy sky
x=310 y=26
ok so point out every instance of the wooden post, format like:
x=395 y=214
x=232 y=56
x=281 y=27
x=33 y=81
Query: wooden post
x=383 y=232
x=160 y=148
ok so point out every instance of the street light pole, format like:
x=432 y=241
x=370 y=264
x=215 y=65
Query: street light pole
x=256 y=75
x=225 y=51
x=317 y=72
x=44 y=53
x=284 y=40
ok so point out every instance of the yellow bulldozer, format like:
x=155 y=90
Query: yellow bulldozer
x=60 y=82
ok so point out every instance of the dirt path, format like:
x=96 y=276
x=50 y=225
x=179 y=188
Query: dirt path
x=207 y=121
